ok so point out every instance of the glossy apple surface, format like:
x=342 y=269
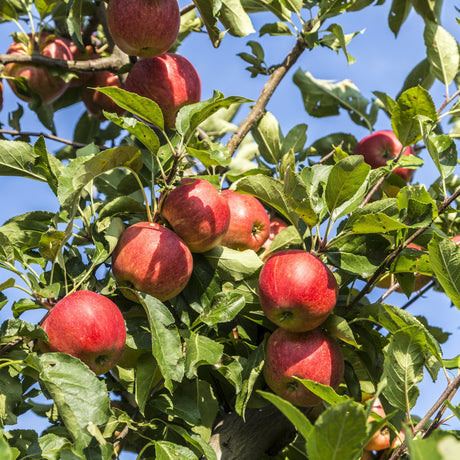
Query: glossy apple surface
x=39 y=79
x=152 y=259
x=311 y=355
x=170 y=80
x=88 y=326
x=95 y=101
x=381 y=146
x=381 y=438
x=144 y=28
x=198 y=213
x=249 y=222
x=297 y=291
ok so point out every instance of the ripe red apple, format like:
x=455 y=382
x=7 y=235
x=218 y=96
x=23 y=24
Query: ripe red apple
x=144 y=28
x=381 y=146
x=381 y=438
x=152 y=259
x=39 y=79
x=198 y=213
x=249 y=222
x=95 y=101
x=276 y=225
x=455 y=239
x=170 y=80
x=297 y=291
x=312 y=355
x=88 y=326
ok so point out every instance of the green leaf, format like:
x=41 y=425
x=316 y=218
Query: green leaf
x=139 y=130
x=398 y=14
x=375 y=223
x=25 y=231
x=445 y=260
x=235 y=19
x=165 y=450
x=420 y=75
x=145 y=374
x=295 y=416
x=166 y=341
x=141 y=106
x=10 y=398
x=18 y=158
x=271 y=192
x=81 y=171
x=442 y=52
x=224 y=308
x=338 y=40
x=192 y=115
x=339 y=433
x=74 y=19
x=17 y=328
x=208 y=10
x=403 y=366
x=80 y=397
x=359 y=254
x=413 y=103
x=268 y=136
x=196 y=441
x=417 y=207
x=252 y=369
x=345 y=180
x=322 y=98
x=275 y=29
x=325 y=392
x=49 y=447
x=443 y=151
x=200 y=350
x=234 y=265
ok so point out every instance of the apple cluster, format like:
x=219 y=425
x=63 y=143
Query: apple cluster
x=297 y=292
x=157 y=260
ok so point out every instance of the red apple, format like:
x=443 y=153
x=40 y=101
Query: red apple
x=311 y=355
x=381 y=146
x=152 y=259
x=297 y=291
x=88 y=326
x=276 y=225
x=170 y=80
x=381 y=438
x=39 y=79
x=95 y=101
x=249 y=222
x=455 y=239
x=144 y=28
x=198 y=213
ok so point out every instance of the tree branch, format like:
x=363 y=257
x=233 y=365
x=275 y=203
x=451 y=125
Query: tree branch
x=267 y=91
x=112 y=63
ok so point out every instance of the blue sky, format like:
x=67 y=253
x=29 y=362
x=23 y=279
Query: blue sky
x=382 y=63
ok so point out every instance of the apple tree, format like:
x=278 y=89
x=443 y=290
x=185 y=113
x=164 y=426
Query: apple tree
x=197 y=378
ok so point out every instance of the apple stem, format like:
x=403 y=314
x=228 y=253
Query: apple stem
x=141 y=186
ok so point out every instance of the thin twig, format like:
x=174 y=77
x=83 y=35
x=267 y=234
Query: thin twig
x=77 y=145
